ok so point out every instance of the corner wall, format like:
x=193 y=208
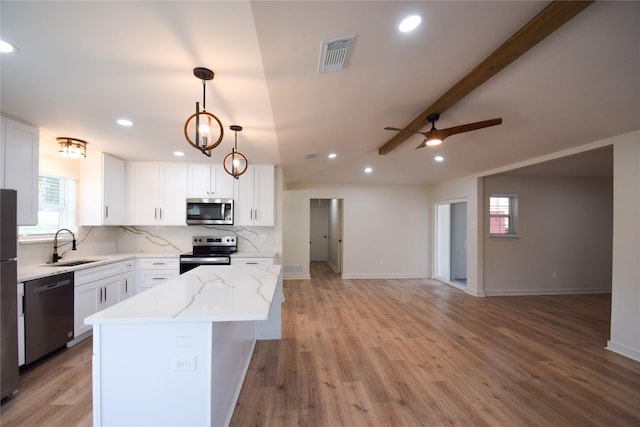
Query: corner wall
x=625 y=297
x=385 y=230
x=565 y=228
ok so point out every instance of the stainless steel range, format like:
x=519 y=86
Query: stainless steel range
x=209 y=250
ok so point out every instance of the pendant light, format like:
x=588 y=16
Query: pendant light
x=202 y=125
x=235 y=163
x=72 y=148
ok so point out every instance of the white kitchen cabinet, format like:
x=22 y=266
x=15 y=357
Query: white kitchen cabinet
x=153 y=271
x=96 y=288
x=255 y=203
x=206 y=180
x=102 y=190
x=157 y=193
x=19 y=148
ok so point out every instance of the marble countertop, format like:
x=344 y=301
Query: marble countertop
x=37 y=271
x=31 y=272
x=207 y=293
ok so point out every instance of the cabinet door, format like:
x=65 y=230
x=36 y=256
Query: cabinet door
x=113 y=187
x=264 y=195
x=255 y=200
x=222 y=183
x=126 y=287
x=108 y=292
x=20 y=167
x=243 y=208
x=199 y=180
x=142 y=193
x=173 y=206
x=102 y=190
x=85 y=304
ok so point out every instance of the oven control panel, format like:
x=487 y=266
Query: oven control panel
x=226 y=240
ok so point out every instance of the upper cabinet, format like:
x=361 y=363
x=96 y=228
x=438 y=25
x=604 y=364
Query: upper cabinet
x=102 y=190
x=19 y=160
x=209 y=181
x=156 y=193
x=255 y=201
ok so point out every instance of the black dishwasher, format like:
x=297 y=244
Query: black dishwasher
x=48 y=315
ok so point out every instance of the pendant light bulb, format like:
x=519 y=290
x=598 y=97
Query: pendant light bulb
x=235 y=163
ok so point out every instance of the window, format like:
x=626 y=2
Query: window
x=503 y=211
x=56 y=206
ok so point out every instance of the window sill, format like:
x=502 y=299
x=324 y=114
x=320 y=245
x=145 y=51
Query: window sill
x=41 y=238
x=503 y=236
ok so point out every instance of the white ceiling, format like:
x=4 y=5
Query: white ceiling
x=82 y=65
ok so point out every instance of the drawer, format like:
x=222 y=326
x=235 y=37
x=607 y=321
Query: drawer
x=159 y=263
x=155 y=277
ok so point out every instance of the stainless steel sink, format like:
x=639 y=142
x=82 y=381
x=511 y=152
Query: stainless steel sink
x=72 y=263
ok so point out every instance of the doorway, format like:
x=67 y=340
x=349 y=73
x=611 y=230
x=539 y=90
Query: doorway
x=325 y=233
x=451 y=243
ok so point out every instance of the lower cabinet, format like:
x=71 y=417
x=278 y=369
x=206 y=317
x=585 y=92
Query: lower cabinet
x=153 y=271
x=97 y=288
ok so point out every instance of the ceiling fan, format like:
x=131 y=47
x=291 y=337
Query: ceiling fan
x=436 y=136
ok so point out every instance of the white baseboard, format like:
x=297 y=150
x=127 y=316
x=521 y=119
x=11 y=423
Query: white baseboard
x=296 y=277
x=565 y=291
x=622 y=349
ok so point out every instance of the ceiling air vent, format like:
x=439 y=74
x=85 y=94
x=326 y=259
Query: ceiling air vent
x=334 y=53
x=310 y=156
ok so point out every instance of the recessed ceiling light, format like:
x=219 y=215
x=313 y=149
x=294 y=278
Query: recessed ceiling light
x=409 y=23
x=332 y=155
x=438 y=158
x=178 y=153
x=124 y=122
x=7 y=47
x=368 y=170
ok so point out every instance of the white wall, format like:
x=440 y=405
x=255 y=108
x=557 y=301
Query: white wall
x=564 y=226
x=465 y=189
x=625 y=297
x=385 y=230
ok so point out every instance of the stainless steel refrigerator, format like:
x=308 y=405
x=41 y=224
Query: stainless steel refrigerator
x=8 y=293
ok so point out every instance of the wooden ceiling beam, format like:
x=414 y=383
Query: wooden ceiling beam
x=552 y=17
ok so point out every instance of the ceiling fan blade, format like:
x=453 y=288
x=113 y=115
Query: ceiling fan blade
x=404 y=130
x=444 y=133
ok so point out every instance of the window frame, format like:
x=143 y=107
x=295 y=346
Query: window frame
x=512 y=216
x=48 y=236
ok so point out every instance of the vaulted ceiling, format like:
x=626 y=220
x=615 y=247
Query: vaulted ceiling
x=82 y=65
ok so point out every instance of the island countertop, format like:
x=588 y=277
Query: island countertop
x=218 y=293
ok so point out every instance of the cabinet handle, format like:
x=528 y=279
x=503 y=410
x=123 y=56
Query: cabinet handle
x=155 y=213
x=100 y=295
x=255 y=217
x=160 y=209
x=126 y=286
x=106 y=211
x=158 y=278
x=159 y=263
x=105 y=293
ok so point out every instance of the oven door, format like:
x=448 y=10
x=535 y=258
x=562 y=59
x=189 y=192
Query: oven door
x=189 y=263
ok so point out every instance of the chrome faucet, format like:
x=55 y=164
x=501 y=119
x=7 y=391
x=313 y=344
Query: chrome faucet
x=55 y=244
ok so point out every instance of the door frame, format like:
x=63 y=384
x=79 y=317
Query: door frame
x=446 y=254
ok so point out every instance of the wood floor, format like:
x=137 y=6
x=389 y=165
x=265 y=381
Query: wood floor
x=399 y=353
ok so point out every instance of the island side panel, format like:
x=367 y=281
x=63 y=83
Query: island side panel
x=153 y=374
x=233 y=344
x=271 y=329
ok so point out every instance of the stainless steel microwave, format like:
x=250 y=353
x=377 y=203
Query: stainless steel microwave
x=209 y=211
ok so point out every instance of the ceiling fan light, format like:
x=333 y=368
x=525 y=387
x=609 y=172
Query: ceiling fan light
x=433 y=142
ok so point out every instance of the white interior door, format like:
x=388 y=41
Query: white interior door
x=319 y=233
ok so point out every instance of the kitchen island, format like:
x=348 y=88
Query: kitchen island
x=177 y=354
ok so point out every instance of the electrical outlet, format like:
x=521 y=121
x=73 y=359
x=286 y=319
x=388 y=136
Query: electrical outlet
x=187 y=363
x=555 y=275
